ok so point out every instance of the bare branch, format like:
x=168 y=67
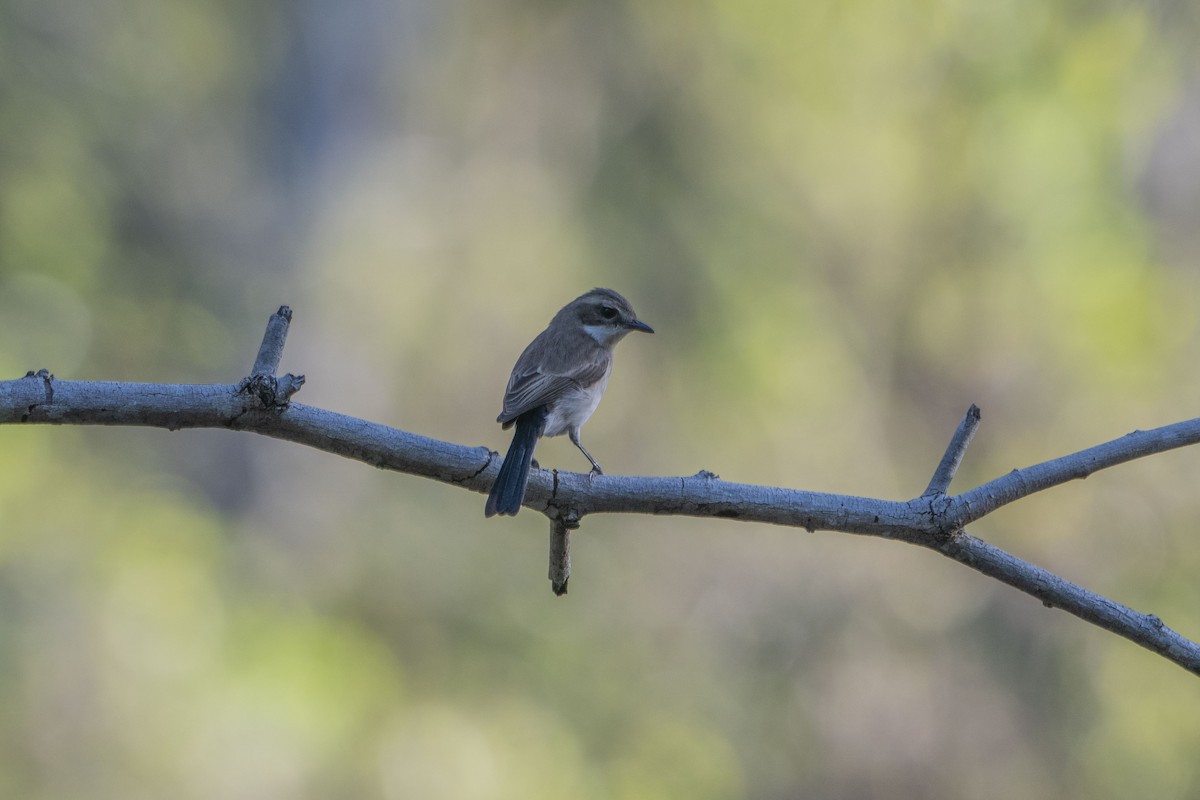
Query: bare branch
x=935 y=520
x=983 y=500
x=944 y=474
x=271 y=350
x=271 y=391
x=1144 y=629
x=560 y=555
x=930 y=521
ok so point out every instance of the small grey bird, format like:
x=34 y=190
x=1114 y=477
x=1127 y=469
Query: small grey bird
x=557 y=384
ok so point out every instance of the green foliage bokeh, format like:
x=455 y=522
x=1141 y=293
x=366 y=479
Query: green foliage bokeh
x=846 y=221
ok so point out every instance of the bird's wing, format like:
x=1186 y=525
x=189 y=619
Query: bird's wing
x=532 y=385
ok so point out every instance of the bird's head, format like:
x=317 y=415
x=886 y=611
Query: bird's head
x=605 y=315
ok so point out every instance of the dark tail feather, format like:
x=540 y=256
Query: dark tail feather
x=508 y=492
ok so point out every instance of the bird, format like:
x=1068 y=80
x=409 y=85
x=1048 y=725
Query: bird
x=557 y=384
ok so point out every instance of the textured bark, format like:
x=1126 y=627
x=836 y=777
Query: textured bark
x=935 y=520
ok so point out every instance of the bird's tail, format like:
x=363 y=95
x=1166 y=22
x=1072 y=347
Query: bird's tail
x=508 y=492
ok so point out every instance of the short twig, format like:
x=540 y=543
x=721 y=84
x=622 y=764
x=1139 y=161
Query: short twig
x=560 y=555
x=946 y=469
x=271 y=350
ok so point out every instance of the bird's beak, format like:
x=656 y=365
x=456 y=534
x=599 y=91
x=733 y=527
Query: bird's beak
x=638 y=325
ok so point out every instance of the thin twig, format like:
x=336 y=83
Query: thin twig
x=983 y=500
x=271 y=350
x=1146 y=630
x=560 y=555
x=946 y=469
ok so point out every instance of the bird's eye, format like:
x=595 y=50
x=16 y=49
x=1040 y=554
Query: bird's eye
x=608 y=312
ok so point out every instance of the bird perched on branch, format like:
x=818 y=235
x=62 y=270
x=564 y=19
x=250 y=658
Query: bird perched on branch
x=557 y=384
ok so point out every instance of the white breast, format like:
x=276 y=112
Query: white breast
x=574 y=408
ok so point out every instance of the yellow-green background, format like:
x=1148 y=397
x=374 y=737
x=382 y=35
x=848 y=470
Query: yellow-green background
x=846 y=220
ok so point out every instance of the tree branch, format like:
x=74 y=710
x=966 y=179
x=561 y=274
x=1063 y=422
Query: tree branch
x=560 y=554
x=946 y=470
x=271 y=350
x=983 y=500
x=261 y=404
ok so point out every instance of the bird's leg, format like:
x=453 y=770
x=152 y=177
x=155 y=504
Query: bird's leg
x=574 y=437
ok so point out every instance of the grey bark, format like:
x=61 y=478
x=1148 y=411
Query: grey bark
x=936 y=520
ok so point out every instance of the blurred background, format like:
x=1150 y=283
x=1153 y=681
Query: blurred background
x=846 y=220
